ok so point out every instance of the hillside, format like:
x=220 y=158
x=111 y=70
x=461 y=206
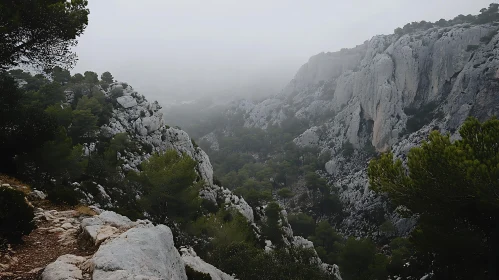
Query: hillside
x=385 y=94
x=110 y=150
x=309 y=146
x=375 y=162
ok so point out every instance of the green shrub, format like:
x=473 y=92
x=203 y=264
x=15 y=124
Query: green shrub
x=116 y=92
x=271 y=229
x=388 y=227
x=285 y=193
x=359 y=260
x=217 y=181
x=421 y=116
x=16 y=216
x=90 y=187
x=196 y=275
x=148 y=148
x=209 y=206
x=370 y=149
x=64 y=195
x=169 y=193
x=194 y=143
x=302 y=224
x=105 y=86
x=347 y=149
x=249 y=263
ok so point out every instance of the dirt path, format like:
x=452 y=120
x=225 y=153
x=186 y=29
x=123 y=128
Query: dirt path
x=56 y=234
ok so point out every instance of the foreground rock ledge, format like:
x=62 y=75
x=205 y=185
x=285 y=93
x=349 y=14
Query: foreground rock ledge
x=128 y=250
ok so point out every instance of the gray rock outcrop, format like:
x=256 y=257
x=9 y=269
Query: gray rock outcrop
x=386 y=93
x=191 y=259
x=126 y=249
x=143 y=122
x=66 y=267
x=144 y=252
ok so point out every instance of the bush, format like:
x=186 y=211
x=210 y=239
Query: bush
x=116 y=92
x=271 y=229
x=196 y=275
x=209 y=206
x=147 y=147
x=285 y=193
x=64 y=195
x=169 y=193
x=347 y=149
x=370 y=149
x=359 y=260
x=194 y=143
x=248 y=263
x=302 y=224
x=16 y=216
x=421 y=116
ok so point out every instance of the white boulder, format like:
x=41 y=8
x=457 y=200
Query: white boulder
x=140 y=253
x=127 y=101
x=66 y=267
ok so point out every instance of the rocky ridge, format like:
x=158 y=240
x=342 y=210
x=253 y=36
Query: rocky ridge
x=387 y=93
x=125 y=249
x=143 y=122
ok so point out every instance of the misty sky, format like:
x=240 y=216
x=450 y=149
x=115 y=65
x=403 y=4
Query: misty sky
x=167 y=49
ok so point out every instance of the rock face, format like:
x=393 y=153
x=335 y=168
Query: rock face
x=64 y=268
x=377 y=80
x=143 y=122
x=191 y=259
x=126 y=250
x=387 y=93
x=142 y=252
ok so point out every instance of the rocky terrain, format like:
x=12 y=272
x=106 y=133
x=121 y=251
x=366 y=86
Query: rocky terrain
x=75 y=244
x=100 y=244
x=385 y=94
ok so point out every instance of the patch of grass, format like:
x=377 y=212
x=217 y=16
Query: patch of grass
x=85 y=210
x=4 y=179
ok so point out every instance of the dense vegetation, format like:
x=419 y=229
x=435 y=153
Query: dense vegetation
x=16 y=216
x=263 y=165
x=40 y=32
x=233 y=247
x=487 y=15
x=452 y=188
x=266 y=166
x=48 y=120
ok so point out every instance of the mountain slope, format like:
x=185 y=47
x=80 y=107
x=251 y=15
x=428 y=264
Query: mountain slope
x=387 y=93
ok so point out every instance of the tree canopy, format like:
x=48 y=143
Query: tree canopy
x=107 y=77
x=170 y=191
x=40 y=32
x=453 y=188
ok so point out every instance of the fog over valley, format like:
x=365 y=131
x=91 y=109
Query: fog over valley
x=231 y=140
x=176 y=51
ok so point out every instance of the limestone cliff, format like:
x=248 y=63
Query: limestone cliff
x=386 y=93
